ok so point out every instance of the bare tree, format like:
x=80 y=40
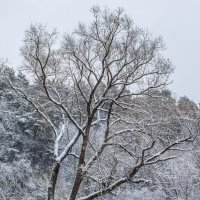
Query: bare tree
x=94 y=85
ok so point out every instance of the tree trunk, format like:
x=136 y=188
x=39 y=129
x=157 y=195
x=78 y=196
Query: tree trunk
x=79 y=173
x=52 y=181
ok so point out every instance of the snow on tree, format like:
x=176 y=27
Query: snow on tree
x=99 y=94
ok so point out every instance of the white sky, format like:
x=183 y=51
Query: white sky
x=177 y=21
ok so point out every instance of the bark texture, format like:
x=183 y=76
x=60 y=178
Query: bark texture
x=53 y=179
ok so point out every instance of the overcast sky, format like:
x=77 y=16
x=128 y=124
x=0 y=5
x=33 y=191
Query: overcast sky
x=177 y=21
